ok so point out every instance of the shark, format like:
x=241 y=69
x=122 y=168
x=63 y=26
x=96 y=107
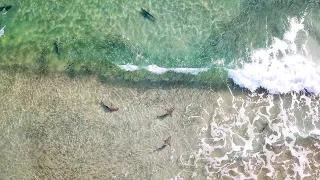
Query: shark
x=167 y=142
x=168 y=113
x=145 y=13
x=108 y=108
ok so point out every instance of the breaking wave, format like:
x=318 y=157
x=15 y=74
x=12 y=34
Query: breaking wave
x=282 y=67
x=161 y=70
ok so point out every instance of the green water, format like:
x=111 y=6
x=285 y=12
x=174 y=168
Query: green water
x=93 y=36
x=53 y=126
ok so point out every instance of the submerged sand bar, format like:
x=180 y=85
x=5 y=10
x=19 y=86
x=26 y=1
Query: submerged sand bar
x=53 y=127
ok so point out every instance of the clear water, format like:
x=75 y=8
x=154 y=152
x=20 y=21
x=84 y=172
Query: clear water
x=53 y=127
x=185 y=33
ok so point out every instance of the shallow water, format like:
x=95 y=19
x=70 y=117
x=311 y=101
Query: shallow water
x=54 y=127
x=207 y=59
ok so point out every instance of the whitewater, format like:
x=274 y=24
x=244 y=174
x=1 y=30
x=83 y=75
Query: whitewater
x=281 y=67
x=60 y=60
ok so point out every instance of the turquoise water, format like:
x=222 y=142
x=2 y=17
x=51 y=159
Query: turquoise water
x=188 y=34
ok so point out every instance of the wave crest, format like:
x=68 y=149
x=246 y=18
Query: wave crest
x=280 y=68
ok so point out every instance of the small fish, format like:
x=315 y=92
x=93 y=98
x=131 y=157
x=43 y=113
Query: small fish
x=56 y=48
x=109 y=108
x=168 y=113
x=147 y=14
x=264 y=127
x=5 y=7
x=167 y=142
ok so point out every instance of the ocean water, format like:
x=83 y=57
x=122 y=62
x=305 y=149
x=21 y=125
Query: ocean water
x=243 y=77
x=205 y=37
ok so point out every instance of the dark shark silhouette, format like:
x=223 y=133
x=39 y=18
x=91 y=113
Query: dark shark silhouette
x=108 y=108
x=56 y=48
x=5 y=7
x=168 y=113
x=167 y=142
x=146 y=14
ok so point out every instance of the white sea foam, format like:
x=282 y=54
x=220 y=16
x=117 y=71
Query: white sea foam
x=129 y=67
x=2 y=31
x=247 y=138
x=280 y=68
x=160 y=70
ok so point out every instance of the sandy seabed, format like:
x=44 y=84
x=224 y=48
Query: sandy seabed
x=53 y=127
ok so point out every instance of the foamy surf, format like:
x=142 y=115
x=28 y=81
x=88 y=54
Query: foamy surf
x=281 y=67
x=256 y=137
x=161 y=70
